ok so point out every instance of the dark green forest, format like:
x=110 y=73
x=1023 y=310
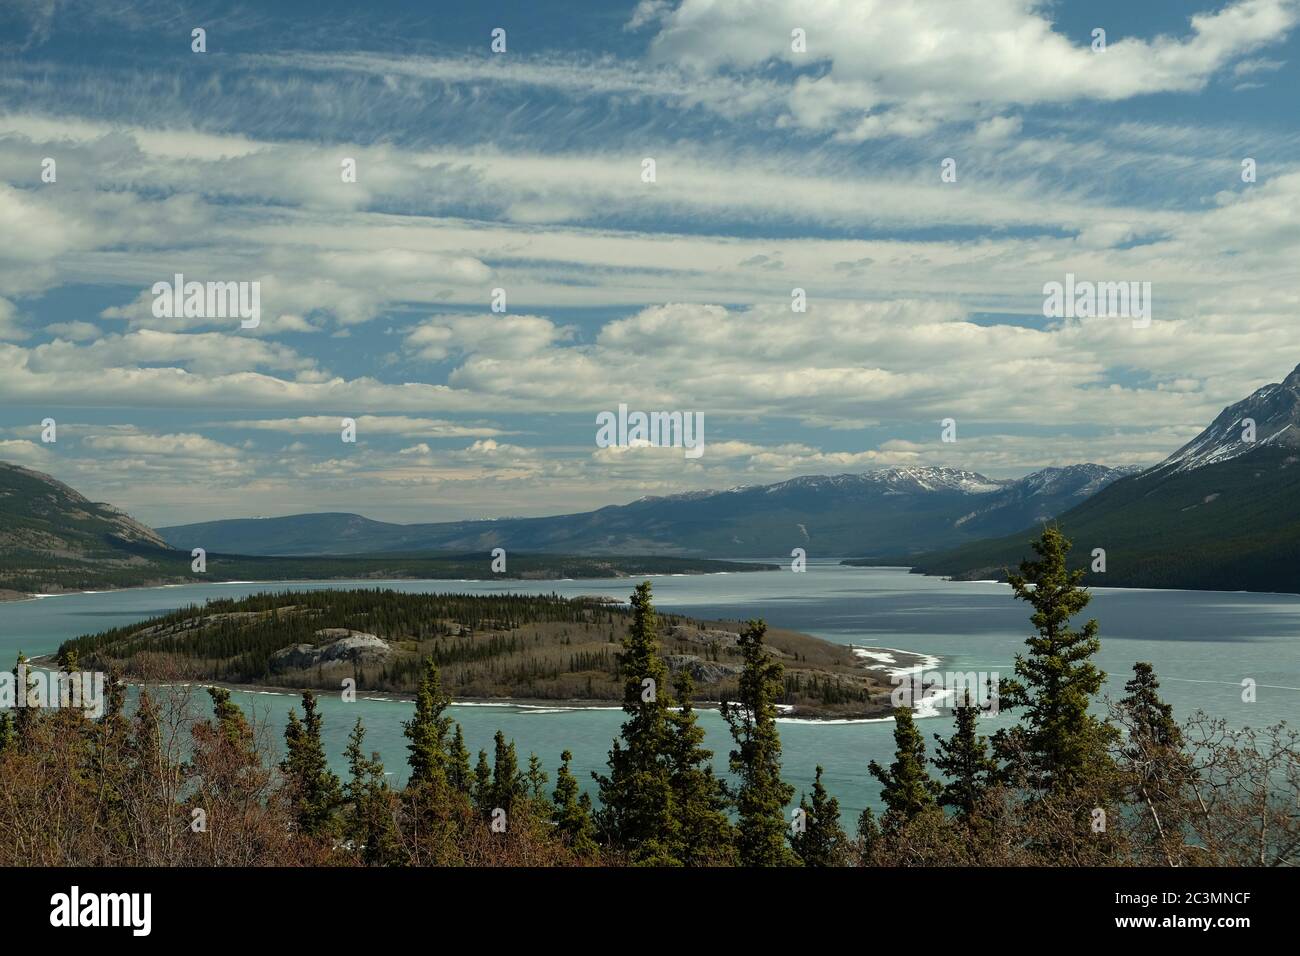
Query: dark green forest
x=1230 y=526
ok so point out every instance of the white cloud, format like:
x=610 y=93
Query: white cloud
x=74 y=331
x=366 y=425
x=11 y=324
x=899 y=68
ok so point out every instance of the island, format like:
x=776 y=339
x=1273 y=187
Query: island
x=502 y=647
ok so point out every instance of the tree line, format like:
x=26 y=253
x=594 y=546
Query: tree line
x=1070 y=783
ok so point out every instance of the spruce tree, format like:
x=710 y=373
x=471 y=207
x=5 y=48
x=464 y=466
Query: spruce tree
x=536 y=779
x=1059 y=745
x=705 y=835
x=906 y=787
x=25 y=716
x=636 y=797
x=571 y=811
x=231 y=722
x=459 y=775
x=1156 y=772
x=761 y=796
x=964 y=759
x=484 y=799
x=821 y=842
x=313 y=787
x=371 y=825
x=868 y=841
x=1151 y=718
x=427 y=732
x=508 y=784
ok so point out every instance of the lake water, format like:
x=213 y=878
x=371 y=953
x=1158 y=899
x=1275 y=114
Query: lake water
x=1203 y=644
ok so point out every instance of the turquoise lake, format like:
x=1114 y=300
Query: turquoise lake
x=1203 y=644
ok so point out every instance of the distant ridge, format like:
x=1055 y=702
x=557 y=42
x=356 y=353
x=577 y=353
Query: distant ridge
x=877 y=512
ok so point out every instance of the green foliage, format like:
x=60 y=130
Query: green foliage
x=705 y=837
x=821 y=841
x=1059 y=744
x=230 y=718
x=371 y=823
x=761 y=795
x=906 y=786
x=636 y=797
x=459 y=776
x=508 y=784
x=571 y=812
x=482 y=793
x=1233 y=525
x=427 y=732
x=313 y=787
x=1156 y=774
x=869 y=838
x=964 y=759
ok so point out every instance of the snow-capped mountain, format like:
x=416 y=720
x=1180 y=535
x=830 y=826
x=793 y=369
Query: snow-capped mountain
x=889 y=480
x=1220 y=513
x=887 y=512
x=1274 y=411
x=1041 y=495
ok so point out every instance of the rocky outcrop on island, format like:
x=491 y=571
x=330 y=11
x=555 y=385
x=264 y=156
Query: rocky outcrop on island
x=341 y=644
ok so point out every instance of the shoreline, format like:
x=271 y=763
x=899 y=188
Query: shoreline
x=785 y=712
x=911 y=569
x=8 y=595
x=887 y=662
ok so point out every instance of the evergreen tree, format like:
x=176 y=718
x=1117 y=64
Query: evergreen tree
x=761 y=796
x=868 y=841
x=906 y=787
x=508 y=784
x=536 y=779
x=314 y=788
x=636 y=796
x=705 y=835
x=459 y=775
x=7 y=732
x=964 y=759
x=25 y=716
x=1152 y=719
x=1156 y=772
x=372 y=825
x=821 y=842
x=1059 y=744
x=484 y=799
x=571 y=812
x=231 y=722
x=427 y=732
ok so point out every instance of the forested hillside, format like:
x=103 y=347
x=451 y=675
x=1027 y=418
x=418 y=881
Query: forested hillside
x=502 y=646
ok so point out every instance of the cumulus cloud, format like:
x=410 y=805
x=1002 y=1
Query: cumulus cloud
x=898 y=69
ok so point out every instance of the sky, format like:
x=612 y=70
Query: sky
x=920 y=170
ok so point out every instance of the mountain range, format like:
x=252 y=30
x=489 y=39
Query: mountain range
x=877 y=513
x=1220 y=513
x=53 y=539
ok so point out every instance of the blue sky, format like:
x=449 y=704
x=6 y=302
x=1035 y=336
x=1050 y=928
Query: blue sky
x=775 y=169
